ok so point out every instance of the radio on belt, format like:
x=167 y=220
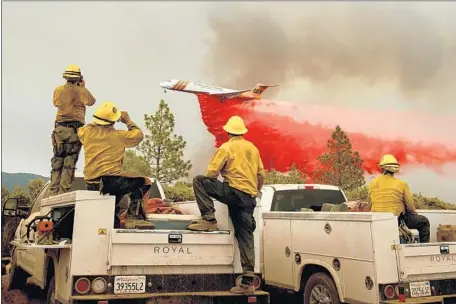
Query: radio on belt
x=175 y=238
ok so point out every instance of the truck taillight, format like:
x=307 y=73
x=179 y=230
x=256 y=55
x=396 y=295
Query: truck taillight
x=99 y=285
x=389 y=292
x=82 y=285
x=252 y=300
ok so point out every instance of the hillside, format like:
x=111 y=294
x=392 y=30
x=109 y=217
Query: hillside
x=10 y=180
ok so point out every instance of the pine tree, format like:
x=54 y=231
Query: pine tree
x=135 y=163
x=162 y=149
x=340 y=166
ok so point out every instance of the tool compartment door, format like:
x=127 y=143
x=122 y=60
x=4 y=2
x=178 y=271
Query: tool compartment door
x=278 y=253
x=166 y=247
x=432 y=261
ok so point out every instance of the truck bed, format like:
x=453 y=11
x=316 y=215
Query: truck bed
x=160 y=263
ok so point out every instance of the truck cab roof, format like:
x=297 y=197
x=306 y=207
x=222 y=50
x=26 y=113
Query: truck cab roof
x=280 y=187
x=294 y=197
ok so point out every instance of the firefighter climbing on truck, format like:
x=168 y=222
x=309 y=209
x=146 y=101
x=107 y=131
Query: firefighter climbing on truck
x=104 y=149
x=390 y=194
x=71 y=100
x=239 y=162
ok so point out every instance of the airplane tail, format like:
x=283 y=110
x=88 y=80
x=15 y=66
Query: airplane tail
x=260 y=88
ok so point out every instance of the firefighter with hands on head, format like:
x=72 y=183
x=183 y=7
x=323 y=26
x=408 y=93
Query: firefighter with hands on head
x=104 y=148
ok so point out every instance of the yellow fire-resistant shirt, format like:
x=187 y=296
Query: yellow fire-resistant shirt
x=71 y=101
x=104 y=148
x=239 y=162
x=389 y=194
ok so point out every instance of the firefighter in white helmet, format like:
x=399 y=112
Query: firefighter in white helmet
x=71 y=100
x=390 y=194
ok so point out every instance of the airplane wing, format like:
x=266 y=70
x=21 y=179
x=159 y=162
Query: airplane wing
x=228 y=95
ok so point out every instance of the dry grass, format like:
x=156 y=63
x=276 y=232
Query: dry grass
x=13 y=296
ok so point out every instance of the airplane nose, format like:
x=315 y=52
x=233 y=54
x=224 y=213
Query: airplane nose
x=164 y=84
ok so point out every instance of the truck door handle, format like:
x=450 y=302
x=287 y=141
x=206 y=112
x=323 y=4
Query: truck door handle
x=444 y=249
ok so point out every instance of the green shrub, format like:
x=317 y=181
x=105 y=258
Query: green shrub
x=358 y=194
x=433 y=203
x=180 y=192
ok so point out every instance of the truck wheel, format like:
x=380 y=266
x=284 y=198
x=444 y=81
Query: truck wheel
x=51 y=297
x=17 y=277
x=320 y=289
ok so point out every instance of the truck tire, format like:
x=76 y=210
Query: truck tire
x=320 y=288
x=17 y=277
x=50 y=295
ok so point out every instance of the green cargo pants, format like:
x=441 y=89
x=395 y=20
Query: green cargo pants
x=67 y=146
x=240 y=205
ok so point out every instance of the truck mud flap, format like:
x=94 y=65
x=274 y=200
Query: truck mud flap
x=219 y=297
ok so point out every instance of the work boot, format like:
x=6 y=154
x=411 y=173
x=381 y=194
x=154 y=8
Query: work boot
x=135 y=219
x=203 y=225
x=245 y=287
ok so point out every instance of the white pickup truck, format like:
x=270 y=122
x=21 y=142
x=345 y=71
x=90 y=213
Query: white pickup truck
x=324 y=257
x=87 y=261
x=356 y=257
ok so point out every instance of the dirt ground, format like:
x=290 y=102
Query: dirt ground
x=18 y=297
x=15 y=296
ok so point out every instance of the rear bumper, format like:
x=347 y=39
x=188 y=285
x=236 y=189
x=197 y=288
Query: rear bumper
x=212 y=297
x=450 y=299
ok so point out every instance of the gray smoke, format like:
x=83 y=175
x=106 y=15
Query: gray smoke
x=409 y=45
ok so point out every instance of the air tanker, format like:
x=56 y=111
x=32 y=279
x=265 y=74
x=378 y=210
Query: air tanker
x=218 y=92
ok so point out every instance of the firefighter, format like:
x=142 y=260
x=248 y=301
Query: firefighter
x=390 y=194
x=239 y=163
x=71 y=101
x=104 y=149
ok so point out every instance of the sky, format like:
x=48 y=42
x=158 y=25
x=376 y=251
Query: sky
x=394 y=57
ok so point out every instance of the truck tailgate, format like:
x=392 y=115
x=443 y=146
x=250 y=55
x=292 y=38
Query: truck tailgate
x=432 y=261
x=170 y=247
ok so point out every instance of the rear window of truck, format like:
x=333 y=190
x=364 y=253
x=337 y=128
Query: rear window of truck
x=295 y=200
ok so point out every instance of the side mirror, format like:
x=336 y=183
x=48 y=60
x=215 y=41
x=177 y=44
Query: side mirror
x=16 y=207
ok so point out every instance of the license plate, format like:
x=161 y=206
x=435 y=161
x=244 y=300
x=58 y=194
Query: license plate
x=420 y=289
x=129 y=284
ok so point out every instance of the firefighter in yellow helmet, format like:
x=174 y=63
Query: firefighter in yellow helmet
x=239 y=163
x=390 y=194
x=104 y=149
x=71 y=100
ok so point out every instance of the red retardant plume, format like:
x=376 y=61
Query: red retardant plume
x=282 y=140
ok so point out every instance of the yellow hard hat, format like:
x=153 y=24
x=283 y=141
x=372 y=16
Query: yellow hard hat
x=235 y=126
x=389 y=163
x=106 y=114
x=72 y=72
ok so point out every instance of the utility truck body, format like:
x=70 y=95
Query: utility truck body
x=356 y=257
x=90 y=261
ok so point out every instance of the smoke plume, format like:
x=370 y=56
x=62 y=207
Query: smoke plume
x=340 y=46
